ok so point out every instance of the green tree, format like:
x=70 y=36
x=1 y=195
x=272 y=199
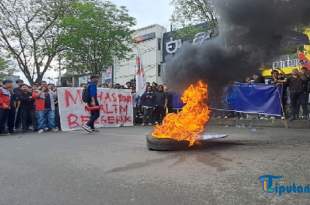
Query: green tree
x=6 y=68
x=188 y=13
x=95 y=34
x=29 y=32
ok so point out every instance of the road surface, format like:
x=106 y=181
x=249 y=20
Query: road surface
x=115 y=167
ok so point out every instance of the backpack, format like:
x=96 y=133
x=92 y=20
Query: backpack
x=85 y=94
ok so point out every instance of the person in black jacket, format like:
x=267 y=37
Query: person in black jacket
x=169 y=97
x=295 y=84
x=148 y=102
x=11 y=115
x=27 y=108
x=154 y=87
x=18 y=91
x=161 y=104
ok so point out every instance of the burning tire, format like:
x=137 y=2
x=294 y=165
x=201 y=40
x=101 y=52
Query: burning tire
x=165 y=144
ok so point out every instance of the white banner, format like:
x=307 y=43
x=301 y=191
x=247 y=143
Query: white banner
x=115 y=108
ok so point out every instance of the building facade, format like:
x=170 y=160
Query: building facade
x=288 y=62
x=149 y=41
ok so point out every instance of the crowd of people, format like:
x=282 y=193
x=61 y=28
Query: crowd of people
x=296 y=89
x=36 y=107
x=299 y=90
x=25 y=107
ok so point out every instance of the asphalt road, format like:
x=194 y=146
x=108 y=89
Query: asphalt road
x=115 y=167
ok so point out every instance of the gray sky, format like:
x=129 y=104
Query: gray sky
x=146 y=12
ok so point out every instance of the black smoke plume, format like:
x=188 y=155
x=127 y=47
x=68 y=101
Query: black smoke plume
x=251 y=33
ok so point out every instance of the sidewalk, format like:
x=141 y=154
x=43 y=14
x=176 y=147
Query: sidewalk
x=277 y=123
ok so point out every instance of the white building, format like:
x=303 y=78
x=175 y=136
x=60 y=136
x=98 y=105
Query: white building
x=150 y=43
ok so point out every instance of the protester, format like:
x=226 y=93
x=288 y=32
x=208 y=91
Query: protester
x=57 y=116
x=121 y=87
x=116 y=86
x=104 y=85
x=280 y=76
x=17 y=91
x=295 y=84
x=248 y=80
x=154 y=87
x=27 y=108
x=5 y=105
x=12 y=112
x=169 y=97
x=135 y=101
x=45 y=108
x=161 y=104
x=147 y=85
x=304 y=98
x=66 y=83
x=19 y=82
x=93 y=102
x=83 y=85
x=128 y=84
x=34 y=87
x=51 y=86
x=275 y=75
x=258 y=78
x=148 y=101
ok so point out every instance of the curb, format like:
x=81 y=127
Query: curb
x=277 y=123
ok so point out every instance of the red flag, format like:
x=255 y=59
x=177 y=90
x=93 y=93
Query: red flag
x=303 y=60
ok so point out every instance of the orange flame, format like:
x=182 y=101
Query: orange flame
x=191 y=120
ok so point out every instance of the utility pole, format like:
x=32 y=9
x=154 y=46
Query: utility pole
x=59 y=73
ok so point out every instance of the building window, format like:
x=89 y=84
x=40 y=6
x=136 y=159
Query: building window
x=159 y=44
x=159 y=70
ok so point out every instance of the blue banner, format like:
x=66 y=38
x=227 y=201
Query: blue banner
x=177 y=103
x=251 y=98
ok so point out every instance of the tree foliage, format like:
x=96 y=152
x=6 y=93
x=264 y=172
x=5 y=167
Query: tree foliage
x=96 y=33
x=29 y=33
x=6 y=68
x=188 y=13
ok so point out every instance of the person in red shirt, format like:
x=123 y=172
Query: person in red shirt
x=5 y=96
x=45 y=107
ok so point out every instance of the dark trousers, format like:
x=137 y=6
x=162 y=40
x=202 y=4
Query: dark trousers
x=160 y=111
x=170 y=109
x=294 y=99
x=3 y=119
x=11 y=120
x=27 y=116
x=57 y=117
x=148 y=112
x=94 y=115
x=303 y=102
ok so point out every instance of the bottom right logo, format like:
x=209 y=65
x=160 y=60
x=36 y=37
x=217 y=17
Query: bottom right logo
x=267 y=185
